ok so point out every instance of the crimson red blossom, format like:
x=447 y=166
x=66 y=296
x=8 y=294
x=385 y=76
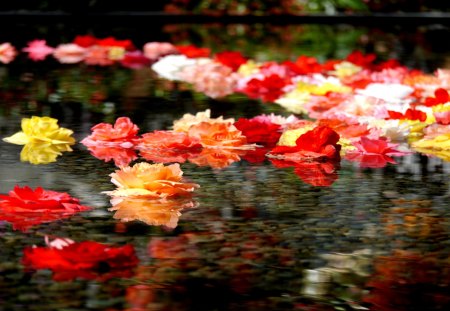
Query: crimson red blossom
x=123 y=133
x=267 y=89
x=192 y=51
x=111 y=41
x=257 y=131
x=410 y=114
x=359 y=59
x=135 y=60
x=318 y=174
x=87 y=260
x=318 y=144
x=25 y=207
x=85 y=41
x=230 y=59
x=440 y=97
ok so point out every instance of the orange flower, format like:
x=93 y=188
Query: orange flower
x=123 y=133
x=217 y=158
x=160 y=212
x=150 y=181
x=219 y=135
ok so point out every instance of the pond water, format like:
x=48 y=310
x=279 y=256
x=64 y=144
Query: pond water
x=254 y=236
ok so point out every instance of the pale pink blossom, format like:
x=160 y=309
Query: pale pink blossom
x=38 y=50
x=154 y=50
x=69 y=53
x=7 y=53
x=213 y=79
x=390 y=75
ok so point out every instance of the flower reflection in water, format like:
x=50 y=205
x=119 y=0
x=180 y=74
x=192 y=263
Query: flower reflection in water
x=163 y=212
x=37 y=153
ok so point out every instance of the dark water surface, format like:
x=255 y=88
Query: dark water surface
x=260 y=237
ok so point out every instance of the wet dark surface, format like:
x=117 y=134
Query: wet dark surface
x=260 y=237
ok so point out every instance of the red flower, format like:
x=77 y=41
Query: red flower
x=318 y=174
x=361 y=60
x=217 y=158
x=120 y=156
x=306 y=65
x=191 y=51
x=440 y=97
x=87 y=260
x=410 y=114
x=168 y=146
x=111 y=41
x=230 y=59
x=268 y=89
x=25 y=207
x=85 y=41
x=319 y=144
x=123 y=134
x=256 y=156
x=256 y=131
x=134 y=60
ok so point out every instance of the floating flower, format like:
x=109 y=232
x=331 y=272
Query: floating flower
x=122 y=134
x=231 y=59
x=150 y=181
x=41 y=131
x=217 y=158
x=134 y=60
x=373 y=152
x=219 y=135
x=38 y=50
x=98 y=55
x=213 y=79
x=85 y=41
x=168 y=146
x=183 y=124
x=85 y=260
x=155 y=50
x=69 y=53
x=25 y=207
x=158 y=212
x=256 y=131
x=319 y=143
x=7 y=53
x=268 y=88
x=192 y=51
x=169 y=67
x=390 y=92
x=440 y=142
x=120 y=155
x=39 y=153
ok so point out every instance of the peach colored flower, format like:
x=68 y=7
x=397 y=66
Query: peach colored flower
x=217 y=158
x=183 y=124
x=159 y=212
x=123 y=133
x=69 y=53
x=213 y=79
x=150 y=181
x=219 y=135
x=168 y=146
x=154 y=50
x=7 y=53
x=98 y=55
x=38 y=50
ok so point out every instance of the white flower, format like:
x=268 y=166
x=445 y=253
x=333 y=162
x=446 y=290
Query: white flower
x=170 y=67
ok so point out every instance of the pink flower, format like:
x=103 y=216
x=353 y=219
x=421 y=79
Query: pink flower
x=213 y=79
x=38 y=50
x=373 y=152
x=69 y=53
x=155 y=50
x=122 y=134
x=7 y=53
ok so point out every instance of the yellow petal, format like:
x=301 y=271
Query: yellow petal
x=20 y=138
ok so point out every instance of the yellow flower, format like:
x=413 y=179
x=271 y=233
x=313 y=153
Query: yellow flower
x=116 y=53
x=294 y=101
x=42 y=153
x=289 y=137
x=345 y=69
x=441 y=142
x=321 y=89
x=249 y=68
x=41 y=130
